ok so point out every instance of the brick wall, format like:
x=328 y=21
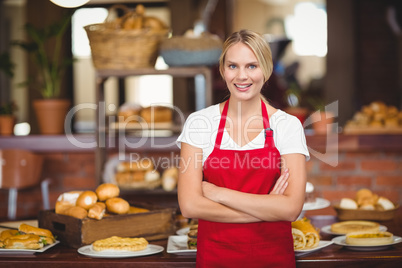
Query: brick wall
x=380 y=172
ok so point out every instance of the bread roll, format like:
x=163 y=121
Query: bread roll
x=76 y=212
x=66 y=200
x=348 y=203
x=152 y=175
x=156 y=114
x=106 y=191
x=87 y=199
x=144 y=164
x=97 y=211
x=169 y=178
x=385 y=203
x=117 y=205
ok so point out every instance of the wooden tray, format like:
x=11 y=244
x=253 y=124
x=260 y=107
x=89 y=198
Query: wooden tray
x=158 y=223
x=361 y=214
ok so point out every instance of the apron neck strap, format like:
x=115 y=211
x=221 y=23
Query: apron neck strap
x=268 y=132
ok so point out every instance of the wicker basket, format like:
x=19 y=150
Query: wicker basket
x=123 y=49
x=361 y=214
x=116 y=48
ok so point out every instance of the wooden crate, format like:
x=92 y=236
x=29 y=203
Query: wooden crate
x=153 y=225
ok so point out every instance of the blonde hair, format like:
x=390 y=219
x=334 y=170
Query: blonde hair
x=256 y=43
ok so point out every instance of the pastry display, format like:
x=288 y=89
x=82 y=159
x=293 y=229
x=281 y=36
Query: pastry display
x=26 y=237
x=135 y=20
x=137 y=174
x=135 y=116
x=102 y=202
x=377 y=117
x=305 y=235
x=369 y=238
x=170 y=178
x=120 y=244
x=345 y=227
x=365 y=199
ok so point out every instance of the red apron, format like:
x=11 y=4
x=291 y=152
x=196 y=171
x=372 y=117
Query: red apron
x=259 y=244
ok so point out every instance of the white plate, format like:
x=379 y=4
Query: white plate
x=321 y=245
x=341 y=241
x=178 y=244
x=88 y=251
x=327 y=229
x=26 y=251
x=318 y=204
x=183 y=231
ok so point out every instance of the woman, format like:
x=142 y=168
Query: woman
x=242 y=166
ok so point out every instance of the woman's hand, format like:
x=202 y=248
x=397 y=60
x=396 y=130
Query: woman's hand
x=210 y=191
x=281 y=184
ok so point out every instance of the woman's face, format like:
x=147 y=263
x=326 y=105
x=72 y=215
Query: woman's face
x=242 y=72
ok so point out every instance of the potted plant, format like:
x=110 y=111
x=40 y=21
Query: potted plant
x=294 y=99
x=51 y=109
x=7 y=109
x=321 y=118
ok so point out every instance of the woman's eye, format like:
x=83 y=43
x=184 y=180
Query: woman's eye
x=252 y=66
x=232 y=66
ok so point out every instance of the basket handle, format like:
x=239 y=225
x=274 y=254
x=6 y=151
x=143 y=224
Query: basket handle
x=113 y=12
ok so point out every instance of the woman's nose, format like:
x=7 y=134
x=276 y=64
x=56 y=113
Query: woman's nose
x=242 y=74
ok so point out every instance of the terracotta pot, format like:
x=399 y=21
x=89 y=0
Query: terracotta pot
x=7 y=123
x=299 y=112
x=322 y=122
x=51 y=114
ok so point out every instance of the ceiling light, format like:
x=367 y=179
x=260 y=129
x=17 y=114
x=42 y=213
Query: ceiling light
x=69 y=3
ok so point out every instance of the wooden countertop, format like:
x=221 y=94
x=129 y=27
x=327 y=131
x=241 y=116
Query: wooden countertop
x=331 y=256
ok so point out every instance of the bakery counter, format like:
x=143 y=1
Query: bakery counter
x=331 y=256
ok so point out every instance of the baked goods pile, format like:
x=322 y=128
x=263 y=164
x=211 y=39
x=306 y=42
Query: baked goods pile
x=136 y=20
x=367 y=200
x=96 y=204
x=136 y=114
x=26 y=237
x=192 y=236
x=120 y=244
x=376 y=115
x=141 y=174
x=305 y=235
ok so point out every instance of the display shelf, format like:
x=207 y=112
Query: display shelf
x=203 y=93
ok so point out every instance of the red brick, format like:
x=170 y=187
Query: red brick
x=363 y=181
x=379 y=165
x=348 y=165
x=391 y=181
x=336 y=195
x=79 y=183
x=320 y=180
x=361 y=155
